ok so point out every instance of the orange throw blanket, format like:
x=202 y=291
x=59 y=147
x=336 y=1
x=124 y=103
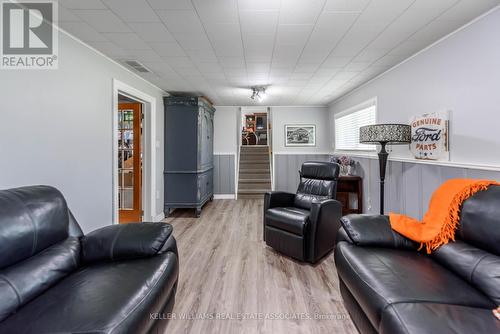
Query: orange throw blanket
x=441 y=219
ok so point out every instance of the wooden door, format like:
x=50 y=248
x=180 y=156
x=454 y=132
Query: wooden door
x=129 y=162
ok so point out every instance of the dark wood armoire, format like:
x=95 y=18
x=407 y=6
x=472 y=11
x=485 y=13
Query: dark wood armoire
x=189 y=133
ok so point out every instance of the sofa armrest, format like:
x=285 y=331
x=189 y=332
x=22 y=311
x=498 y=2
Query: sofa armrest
x=127 y=241
x=274 y=199
x=374 y=231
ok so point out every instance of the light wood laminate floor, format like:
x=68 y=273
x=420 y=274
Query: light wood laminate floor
x=227 y=271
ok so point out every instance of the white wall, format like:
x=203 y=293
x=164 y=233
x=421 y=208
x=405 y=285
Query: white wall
x=319 y=116
x=56 y=129
x=461 y=74
x=225 y=129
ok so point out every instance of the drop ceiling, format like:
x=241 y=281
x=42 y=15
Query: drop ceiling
x=310 y=52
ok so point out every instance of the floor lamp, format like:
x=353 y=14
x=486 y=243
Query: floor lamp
x=384 y=134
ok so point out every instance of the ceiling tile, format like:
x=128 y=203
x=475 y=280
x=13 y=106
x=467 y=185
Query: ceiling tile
x=171 y=49
x=205 y=56
x=264 y=5
x=293 y=34
x=219 y=11
x=161 y=68
x=145 y=55
x=192 y=42
x=83 y=31
x=232 y=62
x=108 y=48
x=300 y=11
x=171 y=4
x=66 y=15
x=346 y=5
x=178 y=62
x=258 y=22
x=132 y=10
x=102 y=20
x=310 y=51
x=209 y=67
x=152 y=31
x=181 y=21
x=127 y=41
x=79 y=4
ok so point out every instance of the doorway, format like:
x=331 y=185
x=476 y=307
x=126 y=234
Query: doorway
x=254 y=127
x=130 y=156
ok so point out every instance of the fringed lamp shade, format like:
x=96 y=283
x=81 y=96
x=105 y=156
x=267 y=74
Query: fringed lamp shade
x=385 y=133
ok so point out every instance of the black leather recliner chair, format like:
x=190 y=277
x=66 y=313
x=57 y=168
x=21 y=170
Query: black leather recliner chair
x=304 y=225
x=389 y=287
x=54 y=279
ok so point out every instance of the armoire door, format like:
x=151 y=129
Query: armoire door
x=206 y=138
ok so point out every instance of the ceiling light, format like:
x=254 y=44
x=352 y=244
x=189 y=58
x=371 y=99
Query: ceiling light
x=258 y=93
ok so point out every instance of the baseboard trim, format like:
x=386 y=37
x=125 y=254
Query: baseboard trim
x=159 y=217
x=224 y=196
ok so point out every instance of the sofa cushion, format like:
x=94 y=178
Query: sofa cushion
x=412 y=318
x=31 y=219
x=28 y=279
x=115 y=297
x=379 y=277
x=474 y=265
x=289 y=219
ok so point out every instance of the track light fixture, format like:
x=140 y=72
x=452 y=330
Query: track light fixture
x=258 y=93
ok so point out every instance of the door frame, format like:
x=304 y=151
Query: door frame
x=149 y=144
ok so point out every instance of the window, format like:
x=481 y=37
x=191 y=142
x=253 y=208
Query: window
x=347 y=126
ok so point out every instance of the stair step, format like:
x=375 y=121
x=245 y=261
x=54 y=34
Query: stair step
x=250 y=196
x=254 y=162
x=252 y=191
x=254 y=186
x=255 y=180
x=254 y=166
x=252 y=159
x=254 y=176
x=254 y=152
x=255 y=171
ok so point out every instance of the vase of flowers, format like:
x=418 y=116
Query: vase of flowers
x=346 y=165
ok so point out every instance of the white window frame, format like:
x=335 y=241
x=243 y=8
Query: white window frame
x=366 y=104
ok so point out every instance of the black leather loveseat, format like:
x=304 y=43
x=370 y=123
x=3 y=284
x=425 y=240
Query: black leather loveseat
x=53 y=279
x=390 y=287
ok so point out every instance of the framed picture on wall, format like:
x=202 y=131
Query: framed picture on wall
x=300 y=135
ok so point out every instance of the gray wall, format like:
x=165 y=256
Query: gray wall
x=56 y=129
x=461 y=74
x=225 y=131
x=224 y=174
x=319 y=116
x=287 y=166
x=409 y=186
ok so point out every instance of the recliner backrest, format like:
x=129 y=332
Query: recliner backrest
x=37 y=245
x=475 y=256
x=318 y=181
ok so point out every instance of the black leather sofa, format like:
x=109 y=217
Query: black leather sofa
x=390 y=287
x=304 y=225
x=54 y=279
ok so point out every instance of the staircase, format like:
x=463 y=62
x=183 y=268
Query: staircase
x=255 y=173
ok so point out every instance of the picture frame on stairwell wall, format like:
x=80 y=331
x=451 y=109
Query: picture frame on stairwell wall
x=430 y=136
x=300 y=135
